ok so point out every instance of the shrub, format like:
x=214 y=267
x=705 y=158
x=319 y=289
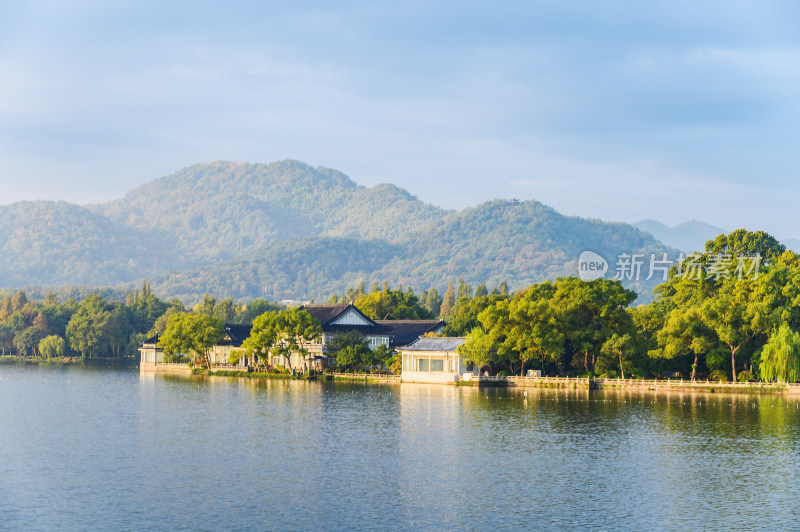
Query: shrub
x=503 y=373
x=745 y=376
x=718 y=375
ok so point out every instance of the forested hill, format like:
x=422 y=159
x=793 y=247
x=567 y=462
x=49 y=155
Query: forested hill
x=287 y=230
x=521 y=243
x=57 y=243
x=222 y=209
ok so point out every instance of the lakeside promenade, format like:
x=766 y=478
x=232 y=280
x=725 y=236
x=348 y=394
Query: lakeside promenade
x=655 y=385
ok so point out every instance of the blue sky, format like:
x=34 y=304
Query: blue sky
x=608 y=109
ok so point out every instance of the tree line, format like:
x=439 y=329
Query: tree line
x=98 y=327
x=708 y=320
x=714 y=323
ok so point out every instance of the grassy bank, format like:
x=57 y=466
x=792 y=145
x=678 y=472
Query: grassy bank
x=258 y=375
x=9 y=359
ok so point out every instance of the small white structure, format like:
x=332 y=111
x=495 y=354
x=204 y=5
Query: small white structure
x=151 y=354
x=434 y=360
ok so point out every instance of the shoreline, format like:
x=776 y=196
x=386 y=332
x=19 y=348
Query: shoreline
x=12 y=359
x=644 y=385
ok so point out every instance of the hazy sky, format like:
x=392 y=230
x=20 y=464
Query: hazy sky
x=617 y=110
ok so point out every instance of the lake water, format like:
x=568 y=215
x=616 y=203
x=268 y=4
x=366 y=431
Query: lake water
x=110 y=449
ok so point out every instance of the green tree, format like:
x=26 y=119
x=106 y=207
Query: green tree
x=622 y=347
x=780 y=357
x=465 y=315
x=224 y=310
x=5 y=307
x=379 y=356
x=263 y=337
x=191 y=333
x=206 y=306
x=464 y=290
x=160 y=324
x=481 y=290
x=341 y=340
x=432 y=301
x=86 y=330
x=648 y=320
x=743 y=242
x=685 y=333
x=516 y=331
x=730 y=315
x=352 y=350
x=117 y=327
x=501 y=289
x=52 y=346
x=246 y=314
x=297 y=330
x=19 y=301
x=351 y=357
x=392 y=304
x=145 y=309
x=482 y=344
x=448 y=301
x=591 y=313
x=534 y=331
x=27 y=341
x=6 y=338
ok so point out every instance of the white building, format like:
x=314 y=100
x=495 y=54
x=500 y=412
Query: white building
x=337 y=319
x=434 y=360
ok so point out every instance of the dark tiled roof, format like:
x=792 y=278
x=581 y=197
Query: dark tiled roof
x=152 y=340
x=237 y=334
x=406 y=331
x=435 y=344
x=326 y=313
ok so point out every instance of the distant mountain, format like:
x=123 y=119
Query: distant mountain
x=519 y=242
x=688 y=237
x=306 y=268
x=525 y=242
x=287 y=230
x=57 y=243
x=220 y=210
x=692 y=236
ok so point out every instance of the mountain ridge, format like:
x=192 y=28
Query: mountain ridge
x=228 y=228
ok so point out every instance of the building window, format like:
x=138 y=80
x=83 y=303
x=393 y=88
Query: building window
x=437 y=365
x=422 y=364
x=376 y=341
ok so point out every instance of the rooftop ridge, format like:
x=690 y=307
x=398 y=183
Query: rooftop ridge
x=433 y=320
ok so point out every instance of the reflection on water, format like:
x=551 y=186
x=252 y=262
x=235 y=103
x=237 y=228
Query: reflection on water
x=90 y=449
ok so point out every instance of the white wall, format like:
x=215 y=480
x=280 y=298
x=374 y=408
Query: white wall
x=351 y=318
x=437 y=377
